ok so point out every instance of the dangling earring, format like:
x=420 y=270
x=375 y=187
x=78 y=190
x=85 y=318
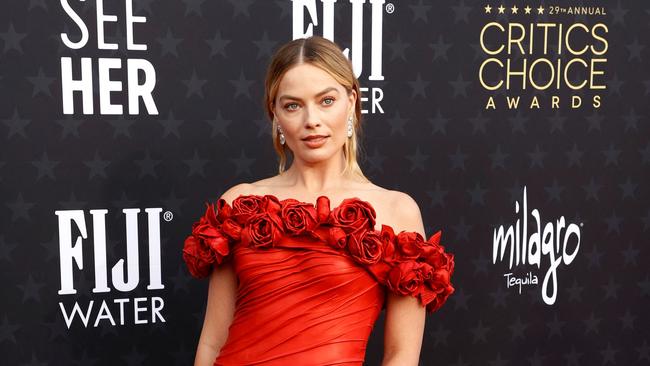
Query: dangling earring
x=350 y=128
x=282 y=139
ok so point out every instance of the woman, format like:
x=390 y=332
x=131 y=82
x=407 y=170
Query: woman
x=293 y=280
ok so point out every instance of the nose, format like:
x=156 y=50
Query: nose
x=312 y=118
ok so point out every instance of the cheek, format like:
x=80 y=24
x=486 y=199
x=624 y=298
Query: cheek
x=291 y=123
x=339 y=114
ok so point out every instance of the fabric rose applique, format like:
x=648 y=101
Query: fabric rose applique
x=412 y=266
x=405 y=263
x=298 y=217
x=210 y=240
x=352 y=216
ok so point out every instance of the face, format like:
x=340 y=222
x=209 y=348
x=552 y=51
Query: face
x=310 y=101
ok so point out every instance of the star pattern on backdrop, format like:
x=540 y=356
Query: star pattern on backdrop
x=465 y=165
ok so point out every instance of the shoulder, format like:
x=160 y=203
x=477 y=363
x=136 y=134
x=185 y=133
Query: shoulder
x=260 y=186
x=407 y=213
x=402 y=206
x=402 y=198
x=235 y=191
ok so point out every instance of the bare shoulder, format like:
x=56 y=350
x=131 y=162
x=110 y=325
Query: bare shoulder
x=407 y=213
x=395 y=208
x=235 y=191
x=392 y=198
x=256 y=187
x=388 y=198
x=404 y=202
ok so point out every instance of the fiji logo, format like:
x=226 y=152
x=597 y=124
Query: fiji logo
x=375 y=94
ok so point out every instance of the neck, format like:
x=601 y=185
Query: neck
x=317 y=177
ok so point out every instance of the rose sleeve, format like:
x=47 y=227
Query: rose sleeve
x=419 y=268
x=437 y=287
x=210 y=242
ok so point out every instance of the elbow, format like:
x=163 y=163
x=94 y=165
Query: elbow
x=398 y=358
x=206 y=353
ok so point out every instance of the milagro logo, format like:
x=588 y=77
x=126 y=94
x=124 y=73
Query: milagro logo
x=125 y=274
x=553 y=245
x=373 y=94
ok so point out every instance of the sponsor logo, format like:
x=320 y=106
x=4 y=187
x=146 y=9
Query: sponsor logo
x=376 y=8
x=124 y=274
x=548 y=246
x=535 y=64
x=137 y=69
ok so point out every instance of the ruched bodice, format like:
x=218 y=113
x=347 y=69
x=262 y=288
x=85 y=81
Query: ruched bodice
x=311 y=281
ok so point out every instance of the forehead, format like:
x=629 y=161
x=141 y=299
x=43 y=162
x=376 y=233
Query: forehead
x=306 y=78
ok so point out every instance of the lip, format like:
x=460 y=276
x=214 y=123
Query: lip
x=315 y=142
x=313 y=137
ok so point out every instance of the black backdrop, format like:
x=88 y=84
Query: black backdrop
x=434 y=135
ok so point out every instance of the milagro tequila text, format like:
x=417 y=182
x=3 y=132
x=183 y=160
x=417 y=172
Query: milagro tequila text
x=553 y=245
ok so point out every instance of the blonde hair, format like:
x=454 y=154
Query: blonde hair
x=326 y=55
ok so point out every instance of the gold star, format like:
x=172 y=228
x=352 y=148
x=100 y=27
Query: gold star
x=501 y=9
x=527 y=9
x=514 y=9
x=540 y=10
x=488 y=9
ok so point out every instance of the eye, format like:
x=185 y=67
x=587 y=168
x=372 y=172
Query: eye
x=328 y=101
x=291 y=106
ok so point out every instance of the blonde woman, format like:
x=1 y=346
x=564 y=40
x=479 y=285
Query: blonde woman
x=301 y=264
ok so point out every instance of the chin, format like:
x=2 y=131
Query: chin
x=316 y=156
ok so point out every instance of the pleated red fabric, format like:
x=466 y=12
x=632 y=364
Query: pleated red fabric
x=312 y=281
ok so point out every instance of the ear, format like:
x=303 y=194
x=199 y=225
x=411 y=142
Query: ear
x=272 y=107
x=352 y=97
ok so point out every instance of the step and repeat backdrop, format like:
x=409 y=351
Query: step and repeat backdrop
x=522 y=129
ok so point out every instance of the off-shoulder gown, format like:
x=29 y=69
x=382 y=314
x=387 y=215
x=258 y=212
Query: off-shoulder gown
x=311 y=280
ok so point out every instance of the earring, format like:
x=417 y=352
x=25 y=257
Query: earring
x=282 y=139
x=350 y=129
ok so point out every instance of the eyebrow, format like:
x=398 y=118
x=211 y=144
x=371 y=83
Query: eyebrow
x=324 y=91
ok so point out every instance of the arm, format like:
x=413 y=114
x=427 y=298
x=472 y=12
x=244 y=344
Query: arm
x=220 y=307
x=405 y=316
x=219 y=313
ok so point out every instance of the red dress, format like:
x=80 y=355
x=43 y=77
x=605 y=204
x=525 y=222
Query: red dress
x=312 y=280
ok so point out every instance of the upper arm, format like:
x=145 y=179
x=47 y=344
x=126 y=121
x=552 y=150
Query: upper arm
x=222 y=294
x=220 y=307
x=405 y=316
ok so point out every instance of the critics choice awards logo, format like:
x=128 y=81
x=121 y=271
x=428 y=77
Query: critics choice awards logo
x=364 y=71
x=543 y=50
